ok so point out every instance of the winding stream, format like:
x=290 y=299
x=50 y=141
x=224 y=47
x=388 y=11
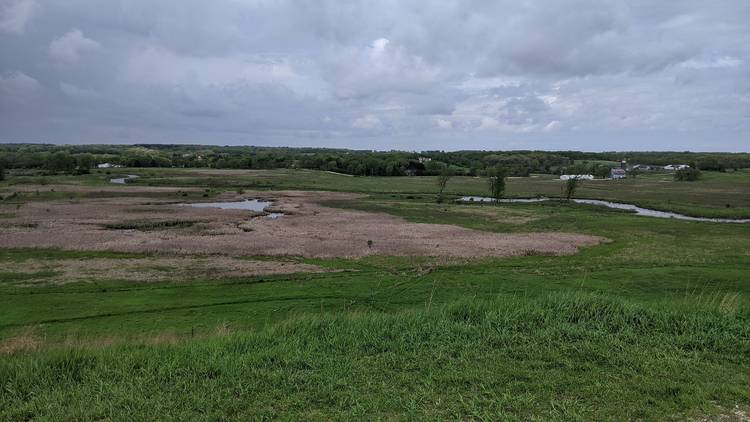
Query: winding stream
x=616 y=205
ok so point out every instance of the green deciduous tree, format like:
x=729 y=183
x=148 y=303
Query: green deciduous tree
x=60 y=161
x=496 y=182
x=570 y=187
x=442 y=181
x=687 y=174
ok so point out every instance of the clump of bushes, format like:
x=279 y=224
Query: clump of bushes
x=688 y=174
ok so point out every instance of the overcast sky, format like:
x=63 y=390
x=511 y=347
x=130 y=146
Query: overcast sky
x=413 y=75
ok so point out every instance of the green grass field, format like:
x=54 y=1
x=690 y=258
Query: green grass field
x=715 y=195
x=653 y=325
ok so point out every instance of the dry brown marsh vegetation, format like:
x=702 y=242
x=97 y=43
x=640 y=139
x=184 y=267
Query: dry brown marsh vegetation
x=307 y=229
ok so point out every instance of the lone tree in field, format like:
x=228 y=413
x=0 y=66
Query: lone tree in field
x=570 y=187
x=496 y=182
x=442 y=180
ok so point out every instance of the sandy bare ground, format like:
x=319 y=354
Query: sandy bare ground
x=308 y=230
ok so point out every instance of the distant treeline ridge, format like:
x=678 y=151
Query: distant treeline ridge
x=80 y=158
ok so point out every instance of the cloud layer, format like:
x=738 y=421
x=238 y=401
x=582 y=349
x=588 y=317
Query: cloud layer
x=559 y=74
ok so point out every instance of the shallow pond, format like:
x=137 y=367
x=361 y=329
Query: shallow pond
x=248 y=204
x=122 y=180
x=616 y=205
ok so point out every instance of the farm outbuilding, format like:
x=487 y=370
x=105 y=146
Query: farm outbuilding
x=577 y=176
x=617 y=174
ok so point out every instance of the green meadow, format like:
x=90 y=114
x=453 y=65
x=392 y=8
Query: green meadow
x=653 y=324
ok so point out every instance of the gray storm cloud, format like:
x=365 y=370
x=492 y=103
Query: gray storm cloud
x=573 y=74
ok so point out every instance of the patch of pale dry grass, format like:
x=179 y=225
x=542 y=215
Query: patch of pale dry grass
x=308 y=229
x=735 y=414
x=25 y=341
x=28 y=340
x=156 y=268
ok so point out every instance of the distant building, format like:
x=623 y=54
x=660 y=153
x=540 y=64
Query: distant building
x=577 y=176
x=424 y=159
x=644 y=167
x=673 y=167
x=107 y=166
x=617 y=173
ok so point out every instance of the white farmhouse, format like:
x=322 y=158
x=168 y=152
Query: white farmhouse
x=617 y=173
x=577 y=176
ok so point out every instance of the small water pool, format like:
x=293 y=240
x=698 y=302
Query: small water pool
x=123 y=180
x=249 y=204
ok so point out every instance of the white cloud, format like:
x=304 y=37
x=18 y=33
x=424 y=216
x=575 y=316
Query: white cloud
x=714 y=63
x=68 y=48
x=551 y=126
x=159 y=66
x=15 y=15
x=369 y=122
x=378 y=47
x=290 y=72
x=18 y=88
x=443 y=123
x=381 y=68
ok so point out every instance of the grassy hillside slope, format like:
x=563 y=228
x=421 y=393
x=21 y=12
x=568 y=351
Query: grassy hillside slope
x=567 y=356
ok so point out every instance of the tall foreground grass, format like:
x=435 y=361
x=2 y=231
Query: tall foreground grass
x=570 y=356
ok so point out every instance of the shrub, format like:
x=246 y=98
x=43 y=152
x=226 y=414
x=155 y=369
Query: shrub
x=442 y=180
x=688 y=174
x=570 y=187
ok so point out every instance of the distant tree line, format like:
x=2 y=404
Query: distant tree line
x=79 y=159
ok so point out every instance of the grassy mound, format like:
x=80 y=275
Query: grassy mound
x=564 y=357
